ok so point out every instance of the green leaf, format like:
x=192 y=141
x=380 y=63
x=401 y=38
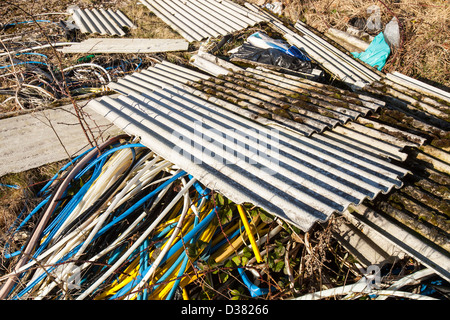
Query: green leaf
x=229 y=264
x=235 y=292
x=279 y=251
x=220 y=200
x=279 y=266
x=266 y=218
x=236 y=260
x=223 y=277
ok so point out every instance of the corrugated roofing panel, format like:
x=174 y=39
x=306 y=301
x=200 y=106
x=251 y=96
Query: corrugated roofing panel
x=199 y=19
x=419 y=86
x=301 y=179
x=101 y=21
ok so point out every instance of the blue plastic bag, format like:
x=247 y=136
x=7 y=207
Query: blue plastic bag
x=376 y=53
x=261 y=40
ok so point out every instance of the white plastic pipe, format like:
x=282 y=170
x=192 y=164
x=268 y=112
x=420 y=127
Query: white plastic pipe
x=137 y=243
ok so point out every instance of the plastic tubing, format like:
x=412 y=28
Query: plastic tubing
x=121 y=158
x=117 y=242
x=84 y=198
x=46 y=215
x=127 y=212
x=76 y=233
x=249 y=233
x=27 y=21
x=23 y=62
x=138 y=241
x=158 y=260
x=63 y=216
x=93 y=65
x=255 y=291
x=179 y=244
x=169 y=242
x=32 y=54
x=177 y=281
x=44 y=188
x=151 y=226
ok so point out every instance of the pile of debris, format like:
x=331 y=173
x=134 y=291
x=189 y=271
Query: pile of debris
x=245 y=164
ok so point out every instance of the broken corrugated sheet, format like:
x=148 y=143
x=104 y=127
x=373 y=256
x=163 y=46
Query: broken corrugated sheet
x=196 y=20
x=414 y=217
x=108 y=22
x=375 y=224
x=108 y=45
x=347 y=68
x=301 y=179
x=419 y=86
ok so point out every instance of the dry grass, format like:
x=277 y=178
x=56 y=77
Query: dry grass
x=424 y=52
x=150 y=26
x=13 y=201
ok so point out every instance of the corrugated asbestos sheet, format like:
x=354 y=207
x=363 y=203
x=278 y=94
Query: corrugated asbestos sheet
x=302 y=179
x=199 y=19
x=31 y=139
x=419 y=86
x=108 y=22
x=289 y=101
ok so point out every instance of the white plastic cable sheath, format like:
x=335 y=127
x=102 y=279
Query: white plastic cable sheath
x=116 y=242
x=137 y=243
x=167 y=246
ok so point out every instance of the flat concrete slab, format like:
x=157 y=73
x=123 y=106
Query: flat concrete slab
x=38 y=138
x=114 y=45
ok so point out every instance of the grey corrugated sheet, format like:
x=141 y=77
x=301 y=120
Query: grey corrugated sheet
x=374 y=224
x=101 y=21
x=301 y=179
x=288 y=102
x=199 y=19
x=419 y=86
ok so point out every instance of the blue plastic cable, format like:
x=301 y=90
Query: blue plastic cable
x=177 y=246
x=255 y=291
x=27 y=21
x=23 y=62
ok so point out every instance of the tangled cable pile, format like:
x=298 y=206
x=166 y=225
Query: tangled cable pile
x=31 y=78
x=120 y=222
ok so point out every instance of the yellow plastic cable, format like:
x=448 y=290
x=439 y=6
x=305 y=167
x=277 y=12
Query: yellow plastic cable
x=249 y=231
x=162 y=291
x=133 y=270
x=185 y=294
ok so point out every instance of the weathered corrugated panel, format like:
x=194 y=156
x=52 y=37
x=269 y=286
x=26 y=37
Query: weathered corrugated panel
x=301 y=179
x=375 y=224
x=101 y=21
x=344 y=66
x=199 y=19
x=415 y=217
x=289 y=103
x=419 y=86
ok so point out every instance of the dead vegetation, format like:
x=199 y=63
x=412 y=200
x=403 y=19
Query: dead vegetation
x=424 y=26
